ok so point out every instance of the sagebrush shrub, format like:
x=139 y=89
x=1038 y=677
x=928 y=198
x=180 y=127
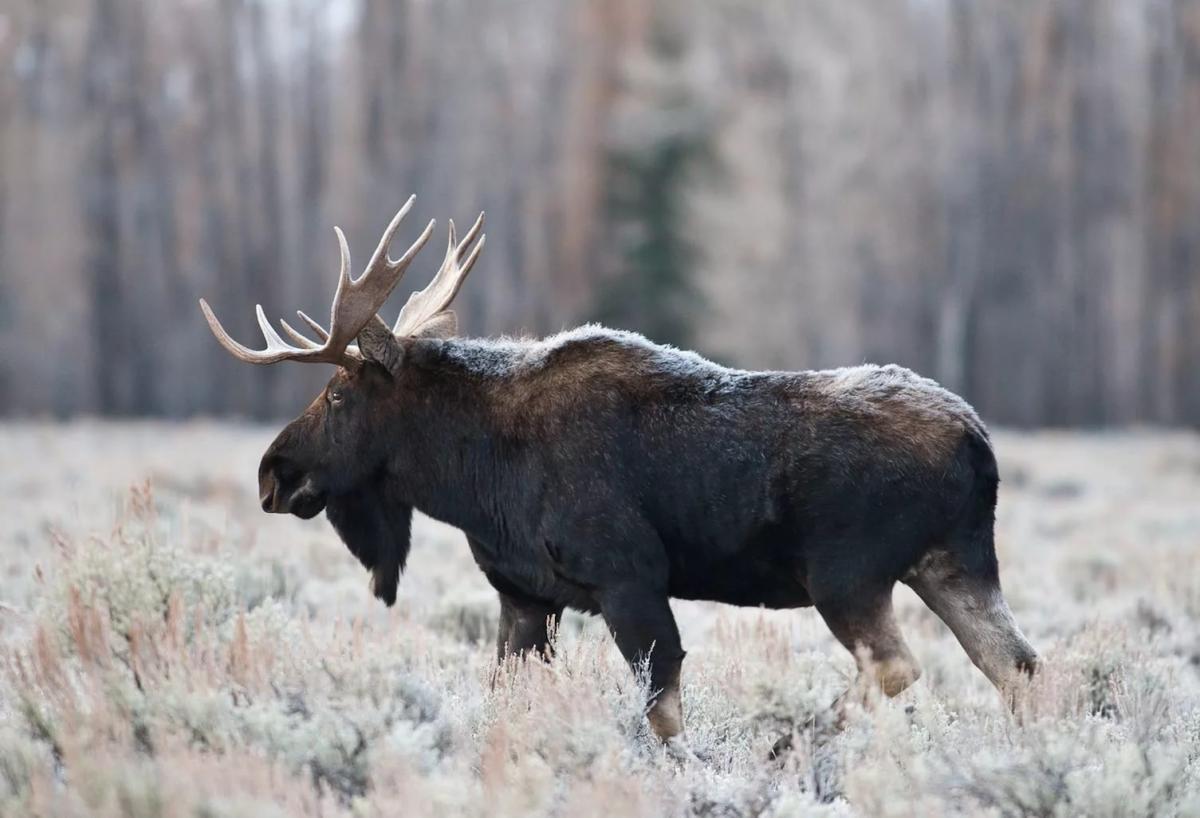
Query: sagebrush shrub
x=179 y=669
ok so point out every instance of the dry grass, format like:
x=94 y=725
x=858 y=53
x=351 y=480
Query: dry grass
x=169 y=650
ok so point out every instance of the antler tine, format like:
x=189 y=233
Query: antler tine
x=344 y=261
x=277 y=349
x=238 y=351
x=269 y=333
x=401 y=264
x=300 y=339
x=381 y=252
x=313 y=325
x=470 y=262
x=474 y=231
x=436 y=297
x=320 y=331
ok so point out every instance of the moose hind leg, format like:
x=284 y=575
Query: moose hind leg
x=866 y=625
x=972 y=606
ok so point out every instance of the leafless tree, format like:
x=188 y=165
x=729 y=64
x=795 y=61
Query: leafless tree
x=1005 y=196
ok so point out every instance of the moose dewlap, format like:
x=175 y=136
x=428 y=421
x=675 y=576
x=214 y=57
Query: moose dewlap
x=598 y=471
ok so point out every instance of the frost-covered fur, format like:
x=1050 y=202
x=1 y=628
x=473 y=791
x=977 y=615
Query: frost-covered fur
x=859 y=388
x=506 y=356
x=914 y=409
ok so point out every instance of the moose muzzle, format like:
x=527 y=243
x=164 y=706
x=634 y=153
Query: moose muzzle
x=280 y=495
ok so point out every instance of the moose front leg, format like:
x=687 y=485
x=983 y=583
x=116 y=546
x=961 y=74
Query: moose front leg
x=642 y=623
x=525 y=627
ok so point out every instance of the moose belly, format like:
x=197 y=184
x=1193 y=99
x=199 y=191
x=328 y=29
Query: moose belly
x=764 y=572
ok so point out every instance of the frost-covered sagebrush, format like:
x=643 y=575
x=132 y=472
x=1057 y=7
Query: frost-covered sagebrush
x=166 y=655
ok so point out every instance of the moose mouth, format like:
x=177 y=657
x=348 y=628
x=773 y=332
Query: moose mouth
x=306 y=501
x=307 y=506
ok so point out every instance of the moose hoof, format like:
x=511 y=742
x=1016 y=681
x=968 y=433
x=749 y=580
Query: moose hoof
x=680 y=752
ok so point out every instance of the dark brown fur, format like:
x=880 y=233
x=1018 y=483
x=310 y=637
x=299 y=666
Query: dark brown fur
x=598 y=471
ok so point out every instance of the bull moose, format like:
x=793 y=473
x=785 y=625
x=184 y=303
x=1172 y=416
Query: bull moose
x=599 y=471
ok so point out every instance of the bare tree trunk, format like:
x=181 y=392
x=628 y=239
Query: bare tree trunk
x=268 y=259
x=7 y=272
x=100 y=195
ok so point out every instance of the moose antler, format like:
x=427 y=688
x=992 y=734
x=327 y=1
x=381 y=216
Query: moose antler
x=355 y=302
x=430 y=303
x=424 y=306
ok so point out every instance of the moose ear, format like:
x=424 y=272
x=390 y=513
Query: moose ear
x=376 y=342
x=442 y=325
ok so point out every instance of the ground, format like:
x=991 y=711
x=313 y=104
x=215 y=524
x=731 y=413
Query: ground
x=168 y=649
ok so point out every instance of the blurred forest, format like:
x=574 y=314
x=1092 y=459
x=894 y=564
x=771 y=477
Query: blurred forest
x=1004 y=195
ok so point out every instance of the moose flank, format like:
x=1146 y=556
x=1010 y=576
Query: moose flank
x=598 y=471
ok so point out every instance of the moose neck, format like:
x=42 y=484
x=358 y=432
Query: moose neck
x=452 y=458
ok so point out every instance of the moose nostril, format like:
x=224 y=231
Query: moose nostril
x=267 y=489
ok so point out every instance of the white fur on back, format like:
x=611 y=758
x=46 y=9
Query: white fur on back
x=506 y=356
x=862 y=386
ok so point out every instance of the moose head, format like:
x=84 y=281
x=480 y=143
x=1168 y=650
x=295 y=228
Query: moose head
x=329 y=458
